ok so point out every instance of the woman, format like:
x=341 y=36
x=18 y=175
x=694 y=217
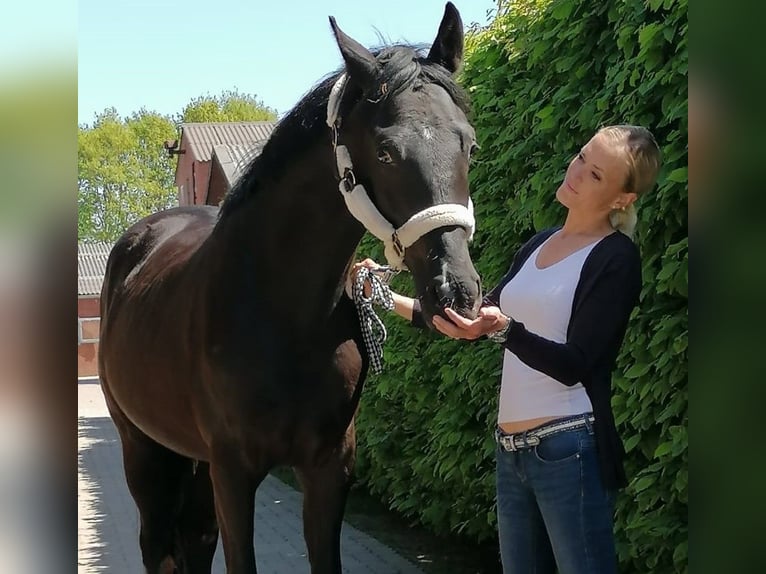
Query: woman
x=560 y=313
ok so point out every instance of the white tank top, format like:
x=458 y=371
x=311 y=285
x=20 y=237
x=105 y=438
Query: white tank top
x=542 y=300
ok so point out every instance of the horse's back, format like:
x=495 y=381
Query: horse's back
x=154 y=247
x=145 y=302
x=147 y=269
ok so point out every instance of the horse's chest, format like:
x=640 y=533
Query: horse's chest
x=318 y=381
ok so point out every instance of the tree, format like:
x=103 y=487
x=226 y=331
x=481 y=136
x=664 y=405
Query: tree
x=123 y=172
x=230 y=106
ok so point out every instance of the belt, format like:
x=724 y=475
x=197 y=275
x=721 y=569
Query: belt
x=530 y=438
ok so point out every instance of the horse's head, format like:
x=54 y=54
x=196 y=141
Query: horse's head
x=402 y=120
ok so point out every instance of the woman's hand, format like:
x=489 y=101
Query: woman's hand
x=367 y=263
x=489 y=320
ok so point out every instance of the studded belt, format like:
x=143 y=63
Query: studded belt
x=531 y=438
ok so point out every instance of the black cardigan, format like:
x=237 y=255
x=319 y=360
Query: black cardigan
x=607 y=292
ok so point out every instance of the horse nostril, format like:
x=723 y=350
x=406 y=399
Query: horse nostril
x=477 y=297
x=441 y=289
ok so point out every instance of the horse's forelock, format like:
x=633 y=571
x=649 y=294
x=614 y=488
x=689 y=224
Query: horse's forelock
x=399 y=68
x=404 y=64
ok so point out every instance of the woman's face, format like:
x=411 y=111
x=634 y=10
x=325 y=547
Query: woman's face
x=594 y=181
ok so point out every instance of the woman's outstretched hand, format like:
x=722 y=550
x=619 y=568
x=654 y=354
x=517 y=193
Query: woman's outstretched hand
x=489 y=320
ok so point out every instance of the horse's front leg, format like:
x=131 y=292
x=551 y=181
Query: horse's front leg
x=325 y=488
x=234 y=488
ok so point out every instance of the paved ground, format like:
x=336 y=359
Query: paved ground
x=108 y=519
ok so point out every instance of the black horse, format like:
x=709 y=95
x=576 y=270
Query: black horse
x=228 y=343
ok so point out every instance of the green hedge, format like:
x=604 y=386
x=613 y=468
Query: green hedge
x=543 y=76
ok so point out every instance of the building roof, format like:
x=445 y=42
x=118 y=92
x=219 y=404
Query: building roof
x=234 y=159
x=199 y=138
x=91 y=266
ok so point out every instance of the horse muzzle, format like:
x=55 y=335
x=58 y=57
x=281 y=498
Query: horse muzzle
x=463 y=296
x=444 y=274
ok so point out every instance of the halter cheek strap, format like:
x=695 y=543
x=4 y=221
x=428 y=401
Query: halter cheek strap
x=396 y=240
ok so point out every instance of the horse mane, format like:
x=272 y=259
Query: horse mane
x=305 y=124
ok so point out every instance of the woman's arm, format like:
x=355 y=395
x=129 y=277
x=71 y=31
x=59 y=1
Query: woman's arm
x=596 y=329
x=403 y=305
x=406 y=307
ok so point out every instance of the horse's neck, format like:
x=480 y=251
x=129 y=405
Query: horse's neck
x=298 y=238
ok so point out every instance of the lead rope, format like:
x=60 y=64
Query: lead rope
x=373 y=329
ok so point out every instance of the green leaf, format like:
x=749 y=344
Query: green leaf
x=563 y=9
x=548 y=123
x=679 y=175
x=663 y=449
x=637 y=370
x=647 y=33
x=643 y=483
x=545 y=112
x=631 y=443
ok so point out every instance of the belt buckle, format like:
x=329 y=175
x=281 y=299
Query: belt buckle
x=508 y=441
x=505 y=441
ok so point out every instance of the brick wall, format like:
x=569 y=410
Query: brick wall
x=88 y=323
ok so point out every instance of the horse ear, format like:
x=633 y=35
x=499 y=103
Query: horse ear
x=360 y=63
x=447 y=49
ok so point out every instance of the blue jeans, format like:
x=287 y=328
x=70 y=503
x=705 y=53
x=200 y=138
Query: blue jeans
x=552 y=508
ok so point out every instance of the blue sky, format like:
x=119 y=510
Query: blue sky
x=160 y=54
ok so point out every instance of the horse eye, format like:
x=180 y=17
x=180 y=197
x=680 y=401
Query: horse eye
x=384 y=156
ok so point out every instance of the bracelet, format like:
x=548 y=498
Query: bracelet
x=501 y=335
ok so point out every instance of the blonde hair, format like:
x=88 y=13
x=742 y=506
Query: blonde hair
x=644 y=159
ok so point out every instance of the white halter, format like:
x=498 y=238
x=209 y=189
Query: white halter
x=396 y=241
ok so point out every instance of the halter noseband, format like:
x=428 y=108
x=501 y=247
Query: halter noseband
x=396 y=241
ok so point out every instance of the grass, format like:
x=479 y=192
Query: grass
x=433 y=554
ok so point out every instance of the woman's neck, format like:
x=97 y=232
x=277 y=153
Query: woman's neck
x=586 y=225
